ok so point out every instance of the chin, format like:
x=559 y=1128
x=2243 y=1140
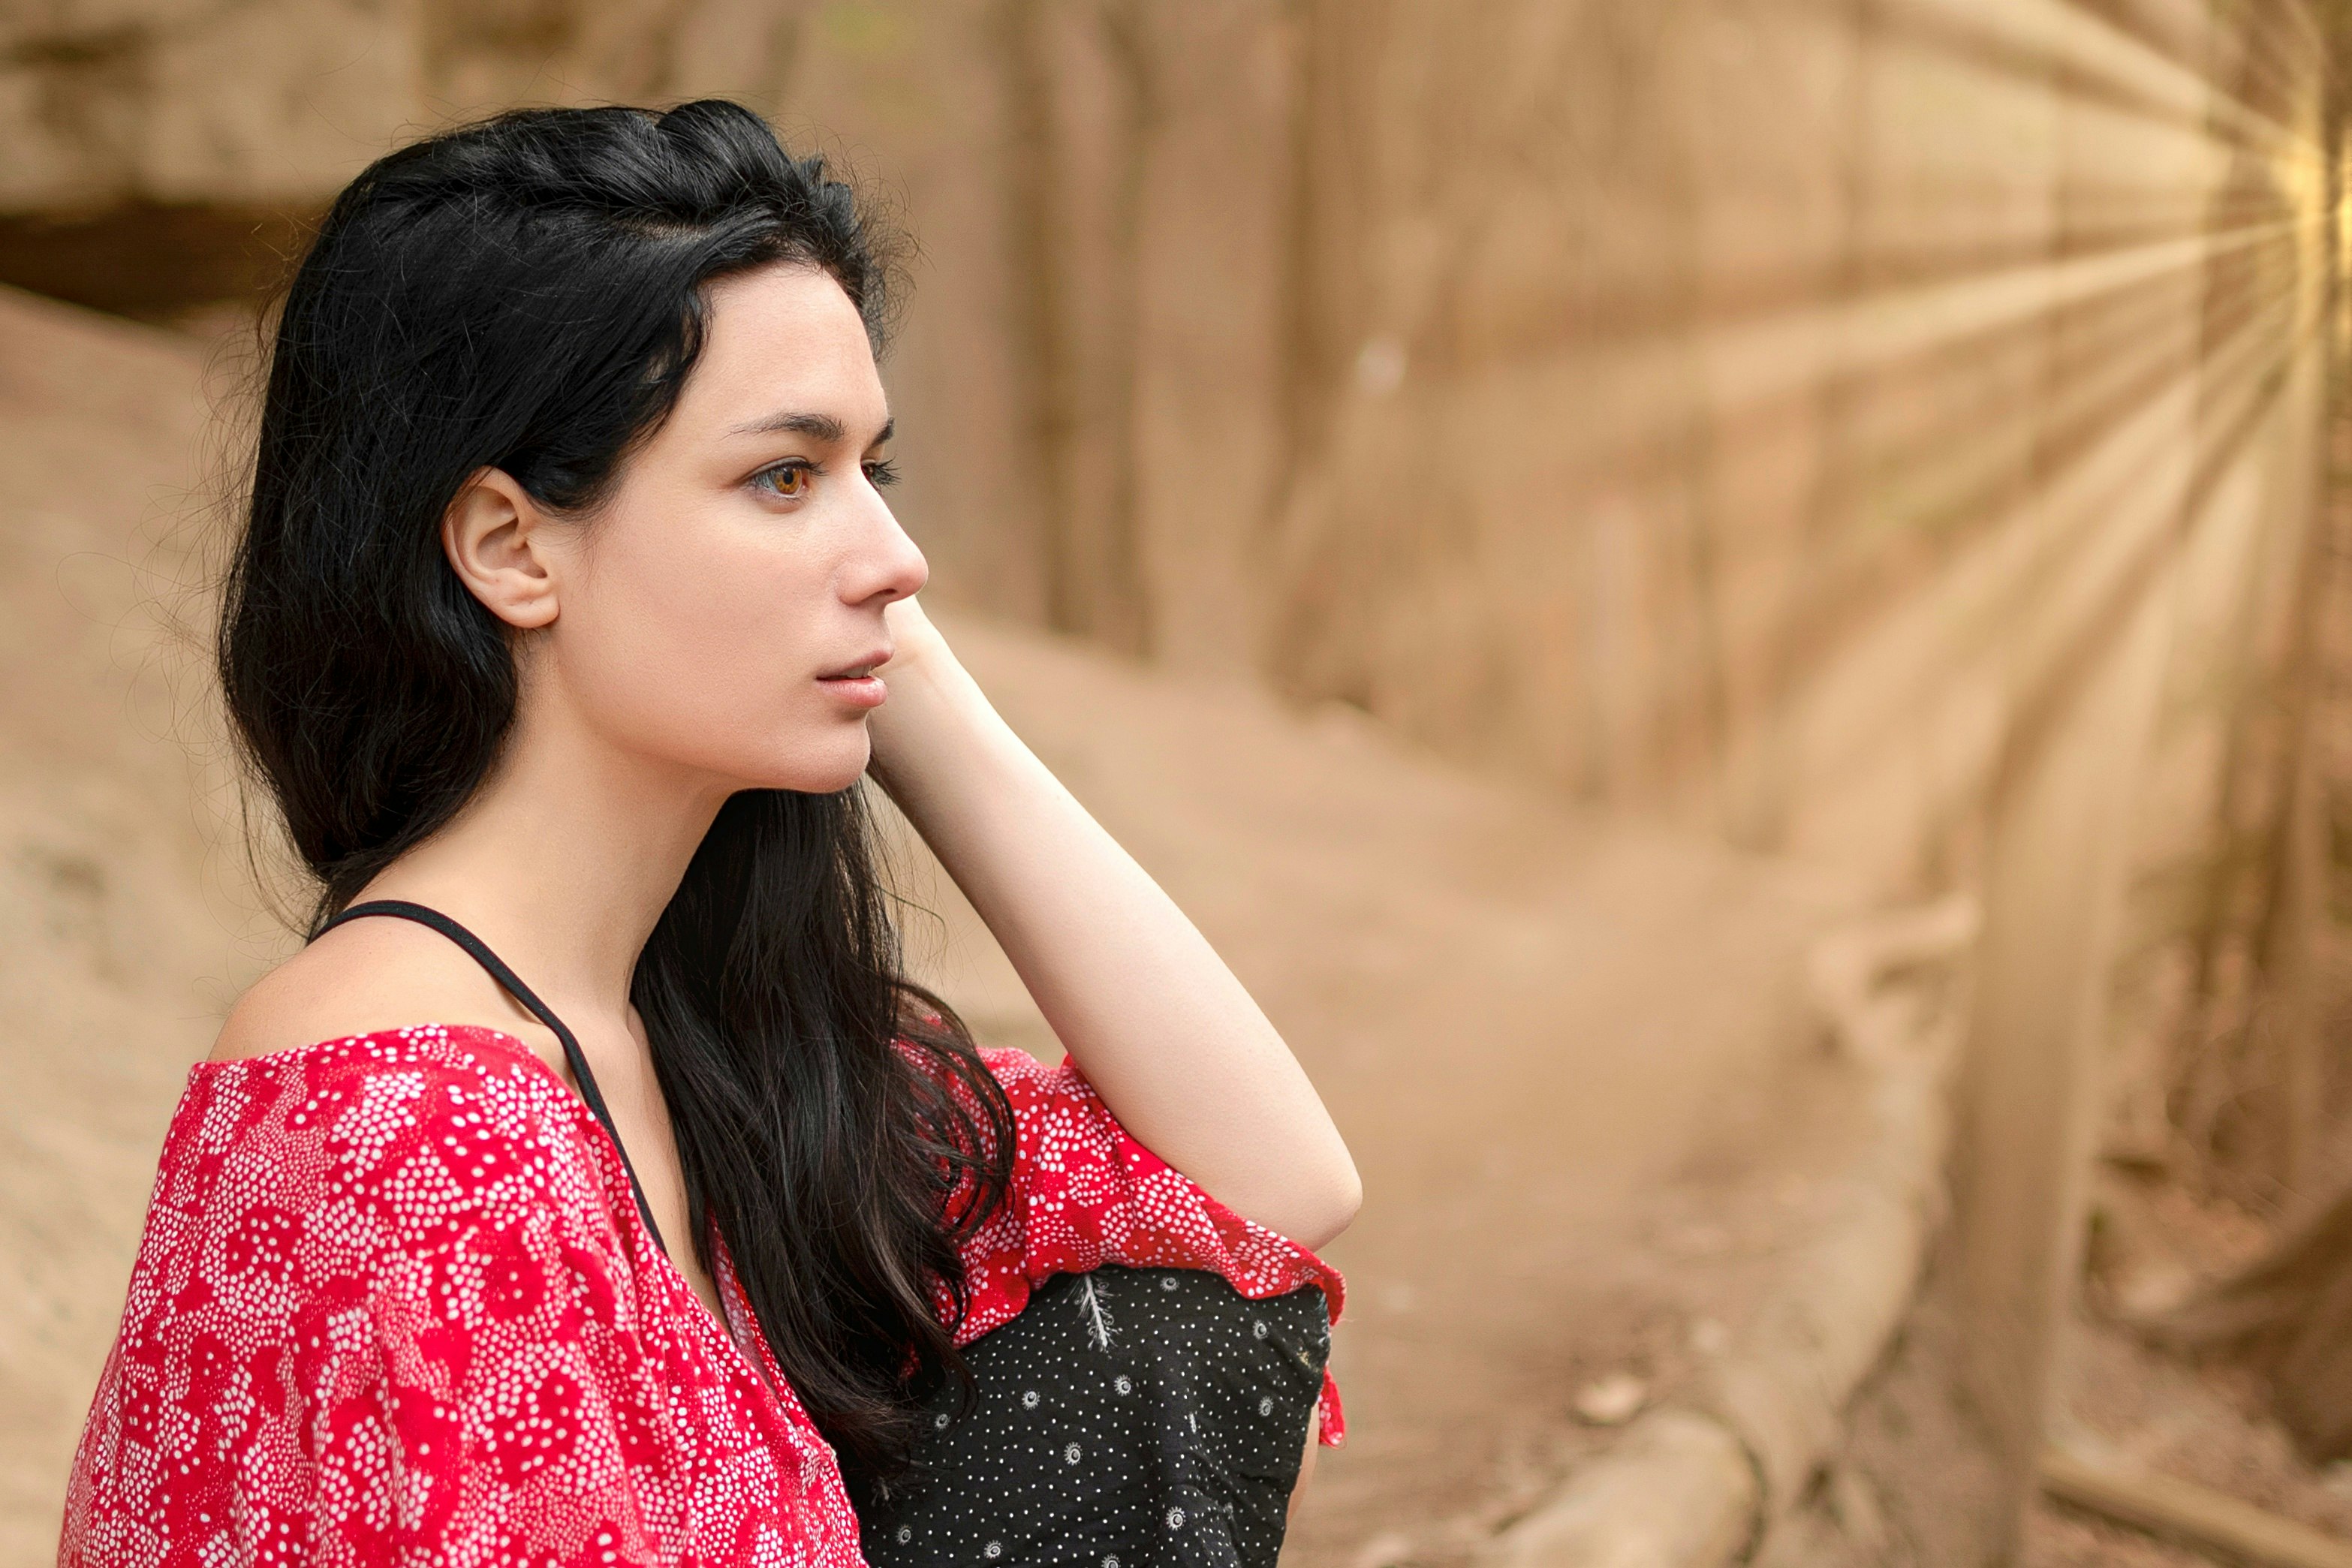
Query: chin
x=820 y=768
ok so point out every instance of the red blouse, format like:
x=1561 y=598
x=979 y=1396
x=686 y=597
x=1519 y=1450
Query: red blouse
x=395 y=1304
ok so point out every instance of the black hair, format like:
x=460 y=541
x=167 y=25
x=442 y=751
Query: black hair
x=529 y=293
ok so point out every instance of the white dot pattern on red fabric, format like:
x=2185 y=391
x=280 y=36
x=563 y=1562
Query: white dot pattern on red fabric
x=394 y=1304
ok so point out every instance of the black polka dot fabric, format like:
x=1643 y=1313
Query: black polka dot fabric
x=1127 y=1418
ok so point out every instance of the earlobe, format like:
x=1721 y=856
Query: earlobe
x=493 y=535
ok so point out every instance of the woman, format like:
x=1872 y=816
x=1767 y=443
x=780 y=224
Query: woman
x=568 y=615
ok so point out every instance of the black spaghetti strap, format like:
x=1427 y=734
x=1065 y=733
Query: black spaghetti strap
x=479 y=951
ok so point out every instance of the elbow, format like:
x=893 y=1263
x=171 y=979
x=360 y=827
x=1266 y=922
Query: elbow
x=1330 y=1210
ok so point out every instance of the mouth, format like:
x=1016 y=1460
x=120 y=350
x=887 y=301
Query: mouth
x=857 y=685
x=861 y=671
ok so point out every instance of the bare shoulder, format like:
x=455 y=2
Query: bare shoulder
x=369 y=976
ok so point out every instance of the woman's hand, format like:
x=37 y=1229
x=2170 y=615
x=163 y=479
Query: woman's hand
x=1161 y=1028
x=915 y=641
x=929 y=691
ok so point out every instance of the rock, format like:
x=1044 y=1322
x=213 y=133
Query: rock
x=1613 y=1400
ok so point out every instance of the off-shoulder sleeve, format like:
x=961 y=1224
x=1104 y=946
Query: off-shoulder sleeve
x=365 y=1327
x=1085 y=1194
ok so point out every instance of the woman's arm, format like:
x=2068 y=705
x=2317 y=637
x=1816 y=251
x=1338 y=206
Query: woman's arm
x=1146 y=1010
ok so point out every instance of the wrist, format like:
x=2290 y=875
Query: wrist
x=935 y=721
x=925 y=677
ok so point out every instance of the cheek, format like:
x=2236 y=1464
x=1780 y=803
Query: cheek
x=703 y=656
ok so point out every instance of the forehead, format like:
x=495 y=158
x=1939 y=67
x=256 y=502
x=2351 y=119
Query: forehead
x=782 y=339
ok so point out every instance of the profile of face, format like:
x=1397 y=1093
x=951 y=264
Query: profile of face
x=720 y=612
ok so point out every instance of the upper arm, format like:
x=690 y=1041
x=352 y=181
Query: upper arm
x=376 y=1316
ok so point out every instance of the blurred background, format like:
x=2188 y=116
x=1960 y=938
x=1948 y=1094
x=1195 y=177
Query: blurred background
x=1736 y=611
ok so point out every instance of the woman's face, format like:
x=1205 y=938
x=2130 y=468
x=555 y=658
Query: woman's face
x=721 y=612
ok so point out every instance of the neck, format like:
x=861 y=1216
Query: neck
x=564 y=859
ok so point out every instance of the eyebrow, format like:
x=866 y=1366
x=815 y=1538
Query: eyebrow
x=817 y=427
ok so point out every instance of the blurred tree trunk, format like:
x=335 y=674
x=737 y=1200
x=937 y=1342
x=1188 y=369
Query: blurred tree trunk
x=2294 y=924
x=2289 y=1314
x=2252 y=1081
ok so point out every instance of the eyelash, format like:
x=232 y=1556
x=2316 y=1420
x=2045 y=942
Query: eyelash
x=881 y=473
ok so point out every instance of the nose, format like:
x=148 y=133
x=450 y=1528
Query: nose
x=884 y=564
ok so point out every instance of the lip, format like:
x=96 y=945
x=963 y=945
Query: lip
x=855 y=684
x=859 y=669
x=856 y=691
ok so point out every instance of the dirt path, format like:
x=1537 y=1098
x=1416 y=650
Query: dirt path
x=1569 y=1054
x=1561 y=1051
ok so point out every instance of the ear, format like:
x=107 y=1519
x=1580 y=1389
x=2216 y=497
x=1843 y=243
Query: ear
x=496 y=537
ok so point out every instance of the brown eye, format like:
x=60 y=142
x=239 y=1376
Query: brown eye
x=786 y=481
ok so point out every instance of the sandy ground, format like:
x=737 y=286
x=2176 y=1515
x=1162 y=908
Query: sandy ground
x=1589 y=1106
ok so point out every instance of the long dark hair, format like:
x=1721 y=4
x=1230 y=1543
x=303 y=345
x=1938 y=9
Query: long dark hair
x=528 y=293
